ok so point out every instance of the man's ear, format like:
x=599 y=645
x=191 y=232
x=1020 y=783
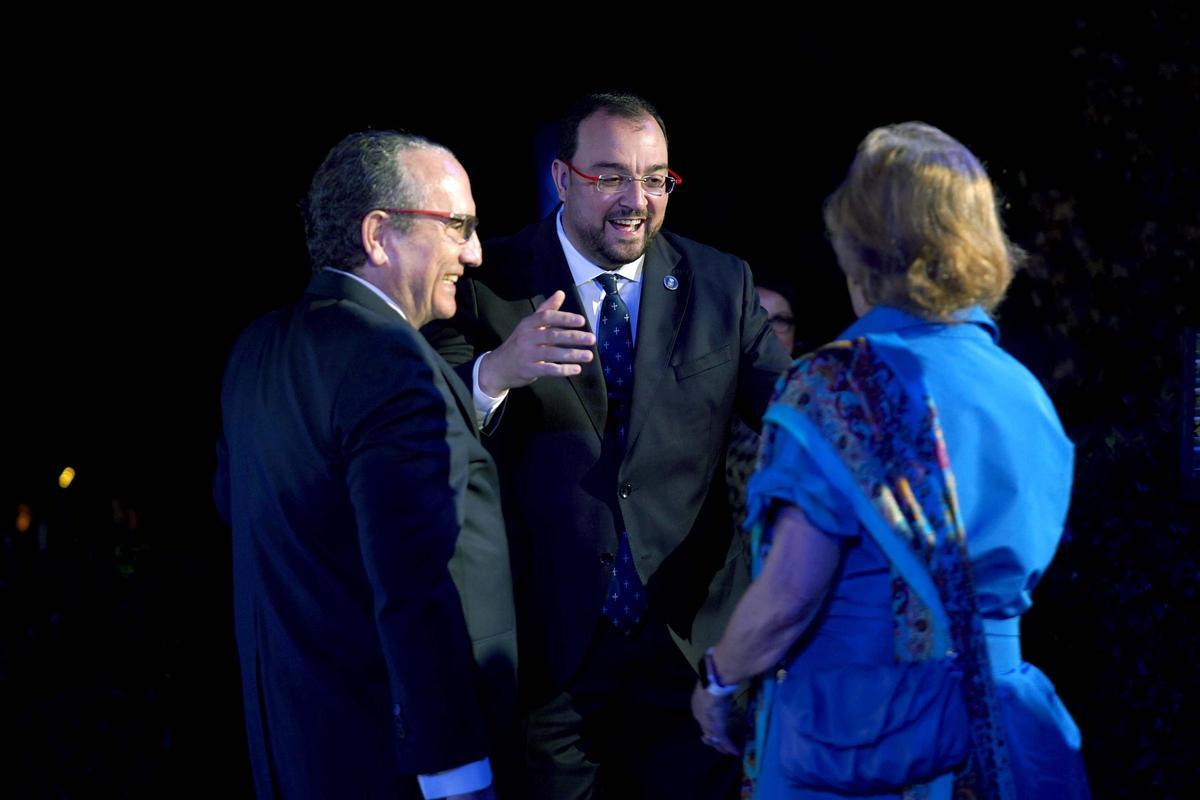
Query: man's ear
x=374 y=227
x=562 y=178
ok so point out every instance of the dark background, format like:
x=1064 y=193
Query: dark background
x=153 y=212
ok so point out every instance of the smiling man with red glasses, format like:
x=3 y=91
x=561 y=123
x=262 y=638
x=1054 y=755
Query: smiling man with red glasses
x=614 y=224
x=625 y=559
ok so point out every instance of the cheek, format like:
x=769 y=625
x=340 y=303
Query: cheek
x=589 y=214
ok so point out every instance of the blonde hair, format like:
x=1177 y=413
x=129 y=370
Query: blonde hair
x=915 y=224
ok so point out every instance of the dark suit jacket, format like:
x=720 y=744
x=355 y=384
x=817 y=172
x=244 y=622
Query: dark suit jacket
x=351 y=472
x=704 y=351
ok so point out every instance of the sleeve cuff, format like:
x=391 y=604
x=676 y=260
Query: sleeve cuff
x=460 y=780
x=795 y=477
x=485 y=404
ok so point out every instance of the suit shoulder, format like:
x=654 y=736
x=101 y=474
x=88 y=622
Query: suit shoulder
x=691 y=251
x=713 y=270
x=507 y=259
x=364 y=355
x=254 y=339
x=334 y=335
x=519 y=242
x=345 y=320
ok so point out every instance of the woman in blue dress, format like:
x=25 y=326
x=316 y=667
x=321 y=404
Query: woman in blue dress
x=912 y=489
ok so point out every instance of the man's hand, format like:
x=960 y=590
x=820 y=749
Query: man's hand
x=543 y=344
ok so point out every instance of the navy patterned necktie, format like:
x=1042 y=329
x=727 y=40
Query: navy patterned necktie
x=625 y=599
x=614 y=340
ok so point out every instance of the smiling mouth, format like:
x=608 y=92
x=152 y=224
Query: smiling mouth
x=451 y=279
x=627 y=224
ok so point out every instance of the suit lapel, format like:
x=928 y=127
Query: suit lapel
x=660 y=316
x=555 y=275
x=466 y=403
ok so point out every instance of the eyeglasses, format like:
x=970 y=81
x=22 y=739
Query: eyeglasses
x=464 y=225
x=781 y=322
x=654 y=185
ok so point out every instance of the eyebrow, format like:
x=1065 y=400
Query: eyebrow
x=603 y=165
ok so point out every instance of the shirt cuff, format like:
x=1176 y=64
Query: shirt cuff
x=485 y=404
x=460 y=780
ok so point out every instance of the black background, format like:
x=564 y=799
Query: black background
x=152 y=212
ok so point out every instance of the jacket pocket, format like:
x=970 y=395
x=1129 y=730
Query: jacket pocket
x=865 y=728
x=701 y=364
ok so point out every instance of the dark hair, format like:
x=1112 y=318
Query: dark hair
x=916 y=226
x=619 y=104
x=773 y=282
x=362 y=172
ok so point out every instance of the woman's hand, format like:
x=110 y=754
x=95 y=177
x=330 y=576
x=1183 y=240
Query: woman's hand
x=712 y=714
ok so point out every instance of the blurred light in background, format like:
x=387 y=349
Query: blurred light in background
x=65 y=477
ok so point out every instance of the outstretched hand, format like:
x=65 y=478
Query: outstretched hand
x=546 y=343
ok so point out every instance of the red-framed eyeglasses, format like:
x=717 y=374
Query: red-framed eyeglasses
x=464 y=225
x=655 y=185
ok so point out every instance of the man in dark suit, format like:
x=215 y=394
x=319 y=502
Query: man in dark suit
x=626 y=563
x=369 y=552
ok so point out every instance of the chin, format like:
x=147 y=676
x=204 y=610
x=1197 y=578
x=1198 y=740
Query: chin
x=624 y=253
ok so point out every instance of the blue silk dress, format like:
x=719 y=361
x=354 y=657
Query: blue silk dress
x=1013 y=465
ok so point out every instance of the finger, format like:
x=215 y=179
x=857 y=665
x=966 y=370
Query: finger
x=721 y=744
x=565 y=336
x=550 y=369
x=553 y=302
x=564 y=355
x=557 y=319
x=539 y=320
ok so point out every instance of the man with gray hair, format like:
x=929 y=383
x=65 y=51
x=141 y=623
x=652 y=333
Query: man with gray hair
x=365 y=512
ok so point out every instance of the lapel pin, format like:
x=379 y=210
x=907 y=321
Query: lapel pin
x=671 y=282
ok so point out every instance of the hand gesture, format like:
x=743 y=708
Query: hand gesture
x=546 y=343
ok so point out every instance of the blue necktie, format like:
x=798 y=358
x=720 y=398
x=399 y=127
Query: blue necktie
x=625 y=599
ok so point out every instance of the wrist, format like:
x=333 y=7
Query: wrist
x=486 y=378
x=710 y=679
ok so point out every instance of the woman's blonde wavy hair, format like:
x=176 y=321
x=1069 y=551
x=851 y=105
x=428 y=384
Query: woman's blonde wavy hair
x=915 y=224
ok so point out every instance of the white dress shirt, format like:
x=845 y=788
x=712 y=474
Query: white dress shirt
x=584 y=273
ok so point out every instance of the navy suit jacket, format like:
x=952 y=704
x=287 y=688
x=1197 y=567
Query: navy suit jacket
x=704 y=351
x=359 y=494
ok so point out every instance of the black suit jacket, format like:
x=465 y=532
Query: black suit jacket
x=359 y=495
x=704 y=351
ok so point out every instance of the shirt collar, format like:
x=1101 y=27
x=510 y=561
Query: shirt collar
x=373 y=288
x=886 y=319
x=584 y=271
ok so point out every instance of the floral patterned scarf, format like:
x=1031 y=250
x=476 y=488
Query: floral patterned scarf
x=865 y=403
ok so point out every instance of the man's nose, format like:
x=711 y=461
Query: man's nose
x=634 y=194
x=472 y=252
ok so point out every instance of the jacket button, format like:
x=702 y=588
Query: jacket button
x=606 y=560
x=626 y=490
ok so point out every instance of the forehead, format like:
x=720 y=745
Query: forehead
x=445 y=182
x=605 y=138
x=772 y=301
